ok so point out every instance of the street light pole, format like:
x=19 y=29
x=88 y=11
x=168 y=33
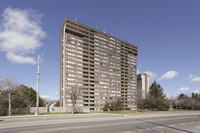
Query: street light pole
x=38 y=74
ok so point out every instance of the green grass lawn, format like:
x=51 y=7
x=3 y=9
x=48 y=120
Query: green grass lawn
x=63 y=113
x=51 y=113
x=139 y=111
x=110 y=112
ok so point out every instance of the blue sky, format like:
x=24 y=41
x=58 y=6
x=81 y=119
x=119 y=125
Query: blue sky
x=166 y=32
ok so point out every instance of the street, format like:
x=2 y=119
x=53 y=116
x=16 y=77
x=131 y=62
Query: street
x=175 y=122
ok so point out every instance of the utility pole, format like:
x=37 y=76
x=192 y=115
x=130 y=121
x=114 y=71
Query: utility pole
x=38 y=74
x=171 y=107
x=9 y=104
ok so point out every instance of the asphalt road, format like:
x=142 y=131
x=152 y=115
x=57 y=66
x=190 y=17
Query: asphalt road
x=129 y=123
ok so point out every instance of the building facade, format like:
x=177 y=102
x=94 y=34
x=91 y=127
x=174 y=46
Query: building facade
x=104 y=67
x=143 y=84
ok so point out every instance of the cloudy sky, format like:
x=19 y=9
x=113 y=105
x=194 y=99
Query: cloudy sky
x=166 y=32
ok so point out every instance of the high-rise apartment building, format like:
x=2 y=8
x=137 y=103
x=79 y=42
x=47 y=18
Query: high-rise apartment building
x=103 y=66
x=143 y=84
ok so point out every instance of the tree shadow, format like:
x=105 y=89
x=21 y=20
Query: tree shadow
x=166 y=126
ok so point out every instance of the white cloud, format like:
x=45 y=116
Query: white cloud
x=184 y=89
x=168 y=75
x=46 y=97
x=20 y=35
x=194 y=78
x=14 y=58
x=191 y=76
x=55 y=93
x=197 y=91
x=50 y=95
x=152 y=74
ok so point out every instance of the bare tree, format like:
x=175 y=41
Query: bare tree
x=8 y=84
x=7 y=87
x=74 y=95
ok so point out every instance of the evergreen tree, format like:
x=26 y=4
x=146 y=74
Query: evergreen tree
x=182 y=96
x=156 y=99
x=26 y=97
x=156 y=91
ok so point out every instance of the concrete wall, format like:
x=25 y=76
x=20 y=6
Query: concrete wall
x=57 y=109
x=41 y=110
x=21 y=111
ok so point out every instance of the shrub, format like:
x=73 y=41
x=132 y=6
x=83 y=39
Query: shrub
x=106 y=107
x=116 y=106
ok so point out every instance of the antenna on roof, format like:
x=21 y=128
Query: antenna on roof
x=111 y=33
x=76 y=19
x=96 y=26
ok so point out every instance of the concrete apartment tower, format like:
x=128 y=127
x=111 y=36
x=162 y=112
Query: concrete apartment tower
x=143 y=84
x=103 y=66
